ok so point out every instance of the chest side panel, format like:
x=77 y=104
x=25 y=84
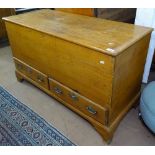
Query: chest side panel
x=129 y=68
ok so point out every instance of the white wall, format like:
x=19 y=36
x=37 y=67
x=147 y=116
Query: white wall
x=146 y=17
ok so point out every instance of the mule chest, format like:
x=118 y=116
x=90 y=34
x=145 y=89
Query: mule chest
x=93 y=66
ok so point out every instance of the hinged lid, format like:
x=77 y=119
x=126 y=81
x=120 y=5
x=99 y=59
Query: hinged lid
x=106 y=36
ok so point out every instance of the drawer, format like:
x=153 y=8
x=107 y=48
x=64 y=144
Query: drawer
x=19 y=66
x=32 y=73
x=78 y=101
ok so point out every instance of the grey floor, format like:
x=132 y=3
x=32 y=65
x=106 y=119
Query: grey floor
x=130 y=131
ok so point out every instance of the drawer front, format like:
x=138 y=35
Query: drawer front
x=78 y=101
x=19 y=66
x=32 y=73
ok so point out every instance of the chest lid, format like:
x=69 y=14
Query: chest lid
x=105 y=36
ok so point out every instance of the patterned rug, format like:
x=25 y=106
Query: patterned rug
x=20 y=126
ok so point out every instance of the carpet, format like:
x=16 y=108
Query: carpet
x=20 y=126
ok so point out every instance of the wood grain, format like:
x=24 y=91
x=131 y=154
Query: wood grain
x=81 y=11
x=80 y=102
x=115 y=14
x=106 y=36
x=105 y=82
x=32 y=73
x=52 y=56
x=105 y=132
x=4 y=12
x=129 y=68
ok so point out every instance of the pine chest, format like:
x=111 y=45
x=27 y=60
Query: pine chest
x=93 y=66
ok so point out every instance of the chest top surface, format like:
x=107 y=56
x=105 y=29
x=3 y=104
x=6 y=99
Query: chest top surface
x=106 y=36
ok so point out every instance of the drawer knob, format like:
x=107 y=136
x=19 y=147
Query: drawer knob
x=73 y=96
x=57 y=90
x=91 y=110
x=40 y=79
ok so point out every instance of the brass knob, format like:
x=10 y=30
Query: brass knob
x=73 y=96
x=91 y=110
x=58 y=90
x=40 y=79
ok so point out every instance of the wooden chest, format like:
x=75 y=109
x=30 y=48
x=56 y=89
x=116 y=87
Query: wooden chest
x=3 y=13
x=116 y=14
x=93 y=66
